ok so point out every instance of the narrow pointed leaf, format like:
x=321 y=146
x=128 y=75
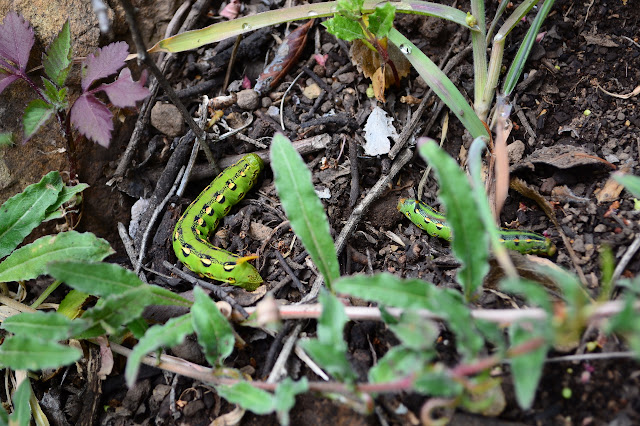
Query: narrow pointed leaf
x=302 y=206
x=21 y=415
x=20 y=214
x=215 y=334
x=630 y=182
x=526 y=368
x=387 y=289
x=65 y=195
x=246 y=396
x=170 y=334
x=470 y=241
x=43 y=325
x=57 y=59
x=28 y=353
x=30 y=261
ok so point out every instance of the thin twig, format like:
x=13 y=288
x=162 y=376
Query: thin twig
x=279 y=370
x=152 y=221
x=129 y=248
x=626 y=258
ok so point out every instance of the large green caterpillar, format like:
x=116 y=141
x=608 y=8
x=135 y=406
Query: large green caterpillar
x=435 y=224
x=202 y=217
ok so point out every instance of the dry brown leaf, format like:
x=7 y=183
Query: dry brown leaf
x=562 y=157
x=368 y=62
x=378 y=83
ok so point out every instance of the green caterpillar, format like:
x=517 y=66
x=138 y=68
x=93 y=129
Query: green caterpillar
x=202 y=217
x=435 y=224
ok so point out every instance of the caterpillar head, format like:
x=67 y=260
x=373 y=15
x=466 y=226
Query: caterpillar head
x=243 y=274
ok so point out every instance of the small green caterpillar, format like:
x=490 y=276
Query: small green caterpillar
x=202 y=217
x=435 y=224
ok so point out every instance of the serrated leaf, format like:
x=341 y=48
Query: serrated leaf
x=170 y=334
x=20 y=214
x=248 y=397
x=22 y=352
x=214 y=332
x=16 y=40
x=103 y=62
x=344 y=28
x=37 y=113
x=55 y=96
x=330 y=349
x=43 y=325
x=387 y=289
x=470 y=242
x=303 y=207
x=22 y=410
x=381 y=20
x=30 y=261
x=285 y=397
x=124 y=92
x=6 y=138
x=526 y=368
x=92 y=118
x=57 y=58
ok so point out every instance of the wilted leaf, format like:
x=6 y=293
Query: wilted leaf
x=367 y=61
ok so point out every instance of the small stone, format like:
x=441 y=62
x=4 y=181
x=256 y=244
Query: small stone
x=248 y=99
x=312 y=91
x=600 y=228
x=167 y=119
x=620 y=116
x=347 y=77
x=266 y=102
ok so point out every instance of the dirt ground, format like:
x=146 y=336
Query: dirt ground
x=565 y=154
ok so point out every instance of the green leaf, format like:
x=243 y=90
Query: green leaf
x=381 y=20
x=99 y=279
x=531 y=291
x=440 y=84
x=50 y=326
x=22 y=409
x=248 y=397
x=470 y=243
x=170 y=334
x=631 y=183
x=58 y=57
x=435 y=380
x=30 y=261
x=330 y=349
x=71 y=305
x=106 y=279
x=399 y=362
x=387 y=289
x=113 y=312
x=35 y=116
x=526 y=368
x=344 y=28
x=214 y=332
x=302 y=206
x=6 y=139
x=65 y=195
x=415 y=332
x=20 y=214
x=22 y=352
x=285 y=397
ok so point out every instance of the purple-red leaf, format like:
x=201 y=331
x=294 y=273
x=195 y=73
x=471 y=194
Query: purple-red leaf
x=124 y=92
x=16 y=40
x=92 y=118
x=6 y=80
x=104 y=62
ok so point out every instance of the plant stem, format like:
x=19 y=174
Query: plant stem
x=52 y=287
